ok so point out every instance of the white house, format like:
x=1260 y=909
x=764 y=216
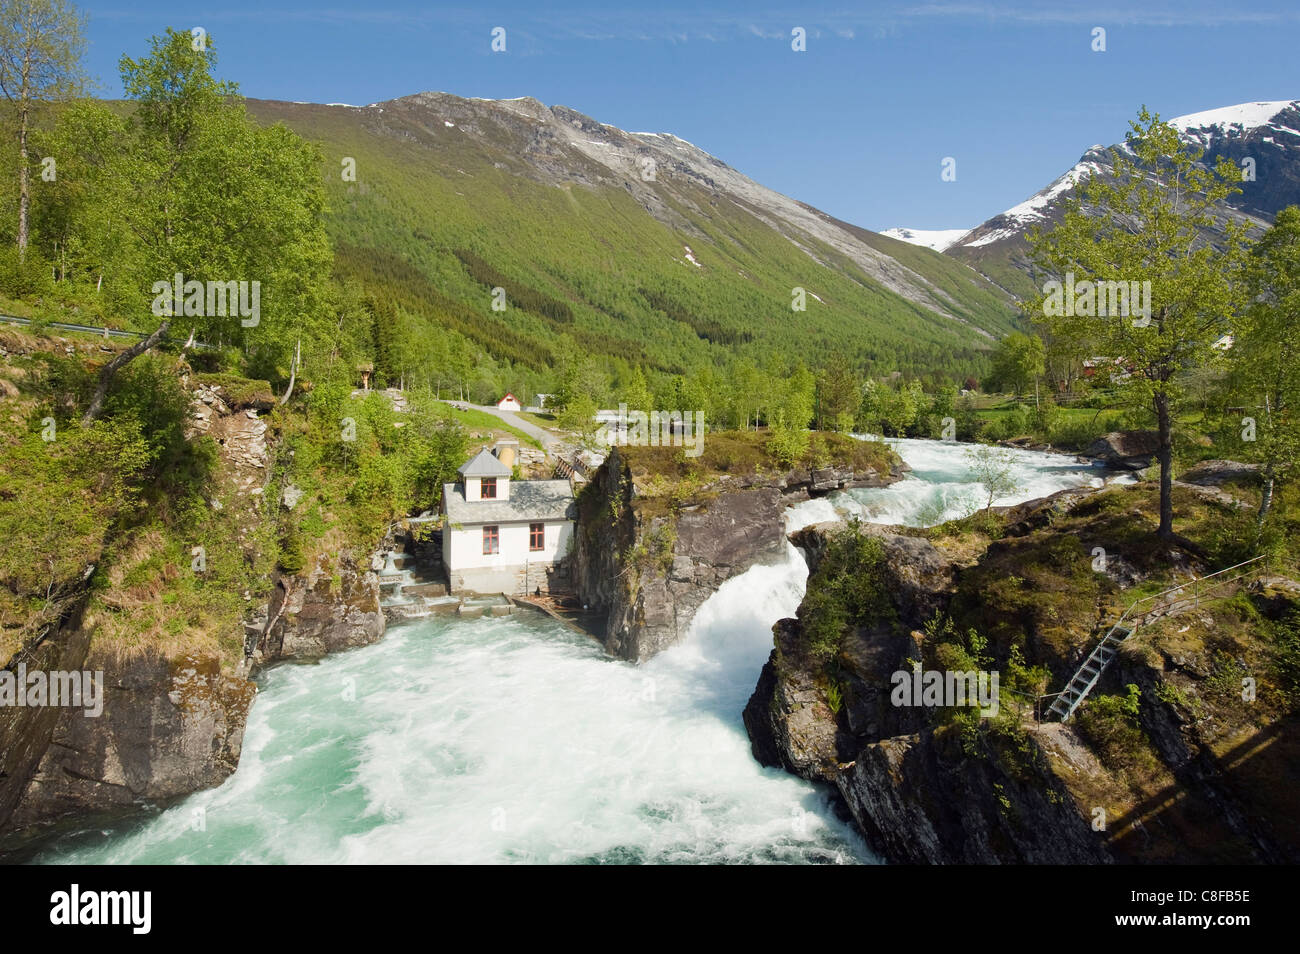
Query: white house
x=502 y=535
x=510 y=403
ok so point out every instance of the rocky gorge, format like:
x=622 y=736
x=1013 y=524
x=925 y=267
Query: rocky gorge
x=648 y=556
x=927 y=785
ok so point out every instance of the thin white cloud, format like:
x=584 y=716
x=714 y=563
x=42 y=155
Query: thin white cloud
x=682 y=26
x=1180 y=14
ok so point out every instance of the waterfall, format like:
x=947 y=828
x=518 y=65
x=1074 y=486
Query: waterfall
x=515 y=739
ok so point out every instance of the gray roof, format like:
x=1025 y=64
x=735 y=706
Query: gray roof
x=484 y=464
x=529 y=500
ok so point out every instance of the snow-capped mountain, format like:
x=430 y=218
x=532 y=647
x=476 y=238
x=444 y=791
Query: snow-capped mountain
x=937 y=239
x=1205 y=127
x=1266 y=132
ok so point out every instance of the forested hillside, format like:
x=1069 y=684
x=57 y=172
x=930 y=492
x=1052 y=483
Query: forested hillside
x=455 y=197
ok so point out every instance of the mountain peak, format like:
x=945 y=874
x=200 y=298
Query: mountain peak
x=1244 y=115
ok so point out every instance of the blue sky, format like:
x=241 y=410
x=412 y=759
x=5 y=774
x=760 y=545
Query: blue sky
x=857 y=125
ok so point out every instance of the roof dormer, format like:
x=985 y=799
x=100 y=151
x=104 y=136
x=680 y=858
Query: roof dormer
x=485 y=477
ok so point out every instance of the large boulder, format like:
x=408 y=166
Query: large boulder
x=649 y=563
x=1126 y=450
x=919 y=799
x=713 y=543
x=1213 y=473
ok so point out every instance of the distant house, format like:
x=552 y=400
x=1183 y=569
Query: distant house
x=542 y=399
x=510 y=403
x=502 y=535
x=1117 y=369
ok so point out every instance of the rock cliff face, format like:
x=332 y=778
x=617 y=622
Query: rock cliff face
x=25 y=732
x=1194 y=775
x=911 y=788
x=650 y=566
x=921 y=800
x=328 y=608
x=171 y=725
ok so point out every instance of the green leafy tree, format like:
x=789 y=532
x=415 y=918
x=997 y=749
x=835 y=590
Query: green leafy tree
x=40 y=62
x=798 y=397
x=747 y=391
x=1019 y=360
x=80 y=220
x=213 y=196
x=895 y=410
x=635 y=393
x=579 y=416
x=993 y=468
x=1266 y=351
x=1148 y=222
x=838 y=395
x=578 y=377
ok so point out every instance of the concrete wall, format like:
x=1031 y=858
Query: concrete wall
x=516 y=581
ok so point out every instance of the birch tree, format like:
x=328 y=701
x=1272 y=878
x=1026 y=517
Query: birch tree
x=41 y=44
x=1266 y=353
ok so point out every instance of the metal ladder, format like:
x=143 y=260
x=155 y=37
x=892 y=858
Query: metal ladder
x=1086 y=676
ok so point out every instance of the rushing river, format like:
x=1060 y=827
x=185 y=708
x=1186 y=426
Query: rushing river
x=515 y=739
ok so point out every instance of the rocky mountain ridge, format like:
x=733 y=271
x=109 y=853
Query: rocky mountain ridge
x=1264 y=135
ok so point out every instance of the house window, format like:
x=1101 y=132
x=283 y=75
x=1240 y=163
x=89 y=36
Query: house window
x=488 y=489
x=537 y=536
x=491 y=540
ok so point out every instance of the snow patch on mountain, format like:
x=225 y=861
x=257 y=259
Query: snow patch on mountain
x=937 y=239
x=1034 y=209
x=1245 y=115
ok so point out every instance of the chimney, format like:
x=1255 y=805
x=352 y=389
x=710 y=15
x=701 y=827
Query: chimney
x=506 y=451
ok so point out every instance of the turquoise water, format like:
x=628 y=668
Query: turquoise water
x=515 y=739
x=508 y=739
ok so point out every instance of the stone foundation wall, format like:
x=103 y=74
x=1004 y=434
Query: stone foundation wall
x=521 y=580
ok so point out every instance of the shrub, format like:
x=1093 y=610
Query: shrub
x=1286 y=645
x=1109 y=723
x=21 y=278
x=788 y=445
x=848 y=587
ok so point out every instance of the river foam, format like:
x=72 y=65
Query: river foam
x=515 y=739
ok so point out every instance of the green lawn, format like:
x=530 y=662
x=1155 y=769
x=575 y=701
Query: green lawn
x=475 y=420
x=541 y=420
